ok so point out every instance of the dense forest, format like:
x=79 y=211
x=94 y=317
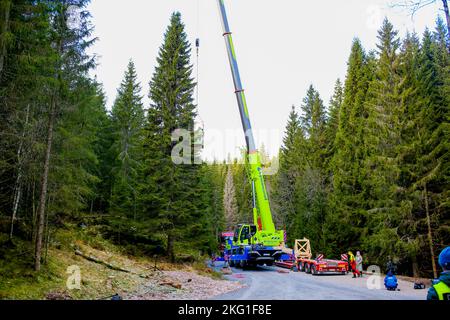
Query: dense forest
x=65 y=158
x=370 y=171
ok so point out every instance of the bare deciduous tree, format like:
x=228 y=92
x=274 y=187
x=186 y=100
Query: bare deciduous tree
x=229 y=201
x=415 y=5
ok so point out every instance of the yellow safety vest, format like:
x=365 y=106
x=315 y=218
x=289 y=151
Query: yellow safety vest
x=442 y=290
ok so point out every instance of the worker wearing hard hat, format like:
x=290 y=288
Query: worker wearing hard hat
x=441 y=289
x=352 y=262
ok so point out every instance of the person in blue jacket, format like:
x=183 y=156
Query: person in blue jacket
x=390 y=281
x=440 y=290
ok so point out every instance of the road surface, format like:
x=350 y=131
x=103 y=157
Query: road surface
x=272 y=283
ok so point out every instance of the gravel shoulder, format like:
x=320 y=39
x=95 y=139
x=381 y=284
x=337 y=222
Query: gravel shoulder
x=183 y=285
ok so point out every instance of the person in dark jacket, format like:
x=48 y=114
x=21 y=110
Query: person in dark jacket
x=440 y=290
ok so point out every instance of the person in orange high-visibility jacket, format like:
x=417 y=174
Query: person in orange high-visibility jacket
x=352 y=261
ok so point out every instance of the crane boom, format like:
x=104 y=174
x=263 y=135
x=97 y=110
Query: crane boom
x=262 y=215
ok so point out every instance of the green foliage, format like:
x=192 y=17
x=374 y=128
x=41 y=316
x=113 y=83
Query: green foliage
x=365 y=173
x=127 y=125
x=365 y=177
x=169 y=192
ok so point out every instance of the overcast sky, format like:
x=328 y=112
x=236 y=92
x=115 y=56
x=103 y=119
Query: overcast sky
x=282 y=47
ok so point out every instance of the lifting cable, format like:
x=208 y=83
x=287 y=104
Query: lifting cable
x=197 y=47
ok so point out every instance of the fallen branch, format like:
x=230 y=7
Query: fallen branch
x=171 y=283
x=96 y=260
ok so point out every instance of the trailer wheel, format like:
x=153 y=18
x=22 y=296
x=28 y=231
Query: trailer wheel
x=313 y=270
x=307 y=268
x=242 y=264
x=300 y=267
x=231 y=263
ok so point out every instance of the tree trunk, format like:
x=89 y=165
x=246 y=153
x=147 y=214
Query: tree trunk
x=430 y=237
x=415 y=267
x=33 y=208
x=3 y=29
x=18 y=184
x=44 y=184
x=46 y=237
x=447 y=16
x=170 y=247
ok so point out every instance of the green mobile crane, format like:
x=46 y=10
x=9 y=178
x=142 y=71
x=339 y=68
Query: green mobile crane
x=258 y=243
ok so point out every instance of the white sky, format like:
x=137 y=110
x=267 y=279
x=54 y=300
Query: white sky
x=282 y=47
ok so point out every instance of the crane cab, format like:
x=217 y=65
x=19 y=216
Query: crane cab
x=248 y=234
x=244 y=234
x=248 y=248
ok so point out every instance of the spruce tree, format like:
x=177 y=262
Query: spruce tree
x=382 y=138
x=169 y=191
x=127 y=122
x=344 y=225
x=310 y=200
x=284 y=186
x=333 y=117
x=70 y=67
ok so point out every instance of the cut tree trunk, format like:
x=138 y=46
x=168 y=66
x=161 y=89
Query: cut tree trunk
x=96 y=260
x=107 y=264
x=430 y=235
x=44 y=185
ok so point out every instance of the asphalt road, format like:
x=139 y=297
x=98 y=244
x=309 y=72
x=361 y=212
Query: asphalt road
x=268 y=283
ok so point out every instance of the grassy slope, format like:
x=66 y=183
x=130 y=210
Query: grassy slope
x=19 y=281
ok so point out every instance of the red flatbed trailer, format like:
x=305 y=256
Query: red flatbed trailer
x=320 y=266
x=301 y=261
